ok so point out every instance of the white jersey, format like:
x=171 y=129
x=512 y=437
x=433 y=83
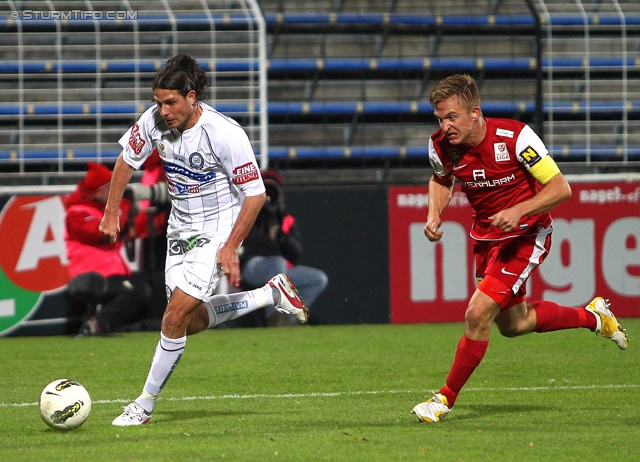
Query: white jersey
x=210 y=168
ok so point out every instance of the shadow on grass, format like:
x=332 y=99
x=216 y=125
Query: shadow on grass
x=467 y=412
x=175 y=416
x=476 y=411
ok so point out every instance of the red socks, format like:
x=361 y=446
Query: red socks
x=551 y=316
x=468 y=355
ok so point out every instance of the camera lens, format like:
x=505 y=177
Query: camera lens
x=272 y=192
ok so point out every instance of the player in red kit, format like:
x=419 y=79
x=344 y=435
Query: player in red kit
x=511 y=182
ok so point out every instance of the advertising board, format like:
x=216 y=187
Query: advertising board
x=595 y=252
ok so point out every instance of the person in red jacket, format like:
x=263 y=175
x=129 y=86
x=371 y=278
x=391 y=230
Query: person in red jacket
x=98 y=272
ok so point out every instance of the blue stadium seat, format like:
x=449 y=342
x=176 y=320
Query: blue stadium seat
x=304 y=67
x=564 y=152
x=345 y=152
x=52 y=154
x=291 y=65
x=330 y=108
x=605 y=151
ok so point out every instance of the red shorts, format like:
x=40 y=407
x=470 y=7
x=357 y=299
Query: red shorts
x=509 y=264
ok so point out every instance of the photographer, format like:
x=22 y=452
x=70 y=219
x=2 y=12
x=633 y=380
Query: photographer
x=274 y=246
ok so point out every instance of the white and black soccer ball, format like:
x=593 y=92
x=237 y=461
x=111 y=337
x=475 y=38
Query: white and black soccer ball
x=64 y=404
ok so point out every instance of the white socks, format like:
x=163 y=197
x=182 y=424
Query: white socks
x=225 y=307
x=165 y=359
x=220 y=308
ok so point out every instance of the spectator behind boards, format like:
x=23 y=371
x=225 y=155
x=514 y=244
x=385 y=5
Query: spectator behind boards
x=98 y=272
x=274 y=246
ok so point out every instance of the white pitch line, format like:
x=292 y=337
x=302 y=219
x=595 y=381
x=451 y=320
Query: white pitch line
x=350 y=393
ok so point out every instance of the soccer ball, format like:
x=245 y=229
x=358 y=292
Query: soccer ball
x=64 y=404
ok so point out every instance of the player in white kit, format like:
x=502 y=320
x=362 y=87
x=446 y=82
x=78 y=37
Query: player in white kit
x=216 y=193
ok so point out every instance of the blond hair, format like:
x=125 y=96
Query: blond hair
x=461 y=85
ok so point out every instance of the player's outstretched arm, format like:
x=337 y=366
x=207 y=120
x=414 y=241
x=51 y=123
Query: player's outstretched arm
x=110 y=223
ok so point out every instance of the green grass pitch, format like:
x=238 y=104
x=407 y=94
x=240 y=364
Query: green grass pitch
x=333 y=393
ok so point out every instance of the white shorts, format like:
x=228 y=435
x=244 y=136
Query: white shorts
x=192 y=264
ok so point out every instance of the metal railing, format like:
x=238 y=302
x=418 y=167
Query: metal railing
x=71 y=85
x=595 y=35
x=65 y=113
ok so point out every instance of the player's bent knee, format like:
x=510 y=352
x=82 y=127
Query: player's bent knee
x=508 y=331
x=179 y=312
x=477 y=318
x=514 y=319
x=198 y=322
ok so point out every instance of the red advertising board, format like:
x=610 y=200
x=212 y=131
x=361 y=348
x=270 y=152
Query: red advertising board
x=595 y=252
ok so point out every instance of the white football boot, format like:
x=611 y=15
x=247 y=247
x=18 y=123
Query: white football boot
x=432 y=410
x=133 y=414
x=290 y=302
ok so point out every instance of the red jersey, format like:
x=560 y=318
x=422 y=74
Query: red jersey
x=494 y=175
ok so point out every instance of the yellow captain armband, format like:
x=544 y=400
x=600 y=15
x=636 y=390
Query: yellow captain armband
x=545 y=169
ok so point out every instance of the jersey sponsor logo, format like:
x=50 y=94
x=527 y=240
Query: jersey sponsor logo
x=503 y=132
x=196 y=161
x=245 y=173
x=530 y=156
x=501 y=152
x=181 y=188
x=182 y=246
x=479 y=175
x=135 y=140
x=488 y=183
x=173 y=169
x=177 y=247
